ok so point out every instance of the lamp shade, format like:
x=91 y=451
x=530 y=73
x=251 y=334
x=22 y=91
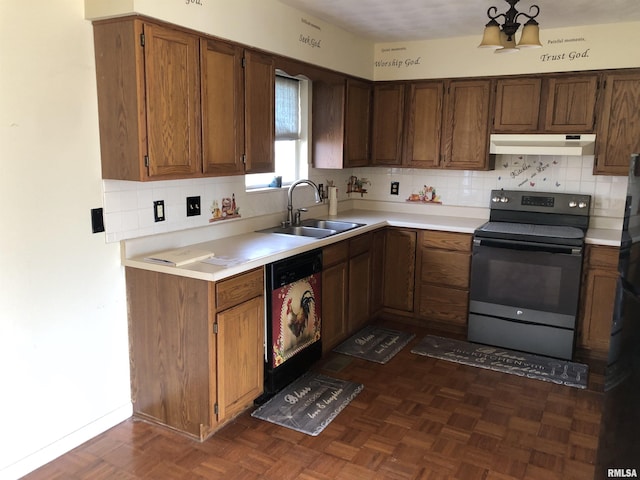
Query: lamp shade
x=530 y=35
x=508 y=46
x=491 y=37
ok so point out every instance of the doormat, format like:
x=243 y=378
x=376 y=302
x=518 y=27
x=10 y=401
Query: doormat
x=375 y=344
x=309 y=404
x=503 y=360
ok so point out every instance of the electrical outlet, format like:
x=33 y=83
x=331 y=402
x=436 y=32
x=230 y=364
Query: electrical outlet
x=193 y=206
x=395 y=188
x=158 y=210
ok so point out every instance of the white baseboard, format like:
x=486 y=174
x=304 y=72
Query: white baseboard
x=65 y=444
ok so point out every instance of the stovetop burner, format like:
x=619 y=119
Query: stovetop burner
x=557 y=218
x=532 y=230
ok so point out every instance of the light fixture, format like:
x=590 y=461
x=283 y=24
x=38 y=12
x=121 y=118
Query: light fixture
x=502 y=39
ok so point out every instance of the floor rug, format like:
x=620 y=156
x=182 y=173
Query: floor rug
x=309 y=404
x=503 y=360
x=375 y=344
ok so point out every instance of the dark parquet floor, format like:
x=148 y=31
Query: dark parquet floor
x=417 y=418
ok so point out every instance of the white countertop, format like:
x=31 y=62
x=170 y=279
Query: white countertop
x=240 y=253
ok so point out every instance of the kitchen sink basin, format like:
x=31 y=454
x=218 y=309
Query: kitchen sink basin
x=314 y=228
x=302 y=231
x=337 y=225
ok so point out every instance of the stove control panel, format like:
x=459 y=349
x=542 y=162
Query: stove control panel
x=540 y=202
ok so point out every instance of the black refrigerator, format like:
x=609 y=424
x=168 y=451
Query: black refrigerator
x=619 y=441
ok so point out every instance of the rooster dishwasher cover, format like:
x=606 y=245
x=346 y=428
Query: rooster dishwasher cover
x=298 y=324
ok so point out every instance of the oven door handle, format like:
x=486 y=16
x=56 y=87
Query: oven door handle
x=527 y=246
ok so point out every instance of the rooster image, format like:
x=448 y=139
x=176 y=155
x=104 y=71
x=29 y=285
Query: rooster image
x=297 y=321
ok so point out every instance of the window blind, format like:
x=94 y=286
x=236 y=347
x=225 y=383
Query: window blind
x=287 y=108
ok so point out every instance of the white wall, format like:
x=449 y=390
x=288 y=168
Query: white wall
x=63 y=328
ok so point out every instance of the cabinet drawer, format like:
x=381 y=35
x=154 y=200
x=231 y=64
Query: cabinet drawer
x=360 y=244
x=450 y=305
x=238 y=289
x=335 y=253
x=602 y=256
x=446 y=268
x=446 y=240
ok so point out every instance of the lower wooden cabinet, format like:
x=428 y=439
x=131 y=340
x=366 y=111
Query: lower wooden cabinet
x=600 y=275
x=359 y=291
x=445 y=265
x=347 y=283
x=399 y=269
x=335 y=280
x=196 y=348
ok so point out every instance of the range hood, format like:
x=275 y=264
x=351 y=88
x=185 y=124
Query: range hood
x=542 y=144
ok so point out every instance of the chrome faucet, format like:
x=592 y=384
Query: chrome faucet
x=292 y=219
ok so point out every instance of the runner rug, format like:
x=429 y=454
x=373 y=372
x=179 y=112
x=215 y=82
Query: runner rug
x=309 y=404
x=503 y=360
x=375 y=344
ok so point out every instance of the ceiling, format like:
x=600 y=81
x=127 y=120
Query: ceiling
x=403 y=20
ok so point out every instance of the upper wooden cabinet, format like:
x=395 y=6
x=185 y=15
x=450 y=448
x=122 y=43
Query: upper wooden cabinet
x=357 y=146
x=570 y=103
x=222 y=107
x=466 y=121
x=259 y=94
x=341 y=122
x=517 y=104
x=387 y=123
x=174 y=104
x=546 y=104
x=618 y=133
x=432 y=124
x=423 y=124
x=148 y=82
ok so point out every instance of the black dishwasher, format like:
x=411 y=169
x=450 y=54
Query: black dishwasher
x=293 y=322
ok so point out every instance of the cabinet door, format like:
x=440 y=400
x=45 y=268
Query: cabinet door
x=388 y=113
x=240 y=358
x=517 y=105
x=399 y=269
x=357 y=147
x=423 y=125
x=619 y=125
x=446 y=268
x=222 y=108
x=334 y=305
x=328 y=128
x=445 y=304
x=598 y=298
x=466 y=125
x=172 y=83
x=359 y=290
x=259 y=75
x=571 y=104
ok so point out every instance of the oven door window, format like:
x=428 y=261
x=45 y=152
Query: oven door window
x=521 y=278
x=295 y=318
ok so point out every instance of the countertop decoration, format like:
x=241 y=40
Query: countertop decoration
x=226 y=210
x=426 y=195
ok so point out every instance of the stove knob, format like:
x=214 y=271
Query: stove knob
x=572 y=204
x=495 y=199
x=582 y=204
x=504 y=199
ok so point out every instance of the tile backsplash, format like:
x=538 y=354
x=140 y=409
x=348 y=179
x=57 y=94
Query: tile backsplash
x=128 y=206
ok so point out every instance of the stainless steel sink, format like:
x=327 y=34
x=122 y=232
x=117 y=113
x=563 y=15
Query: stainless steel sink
x=337 y=225
x=303 y=231
x=315 y=228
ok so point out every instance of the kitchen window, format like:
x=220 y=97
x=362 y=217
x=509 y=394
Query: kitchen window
x=292 y=111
